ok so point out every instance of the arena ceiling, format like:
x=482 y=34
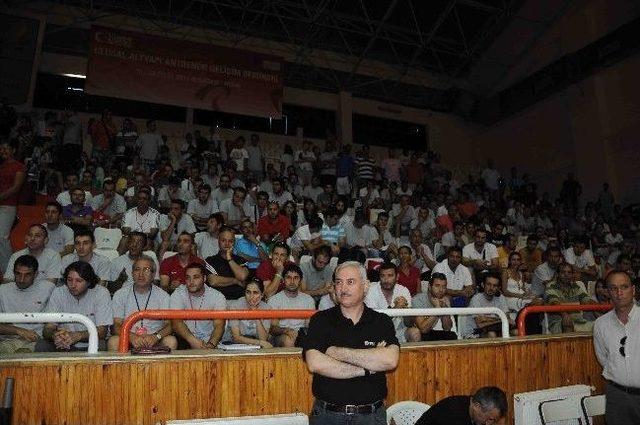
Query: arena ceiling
x=452 y=42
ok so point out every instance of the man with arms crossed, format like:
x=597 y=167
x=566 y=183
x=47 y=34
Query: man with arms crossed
x=348 y=349
x=616 y=339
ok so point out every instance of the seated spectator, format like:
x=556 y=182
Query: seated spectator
x=388 y=293
x=109 y=204
x=433 y=328
x=508 y=246
x=403 y=217
x=459 y=281
x=141 y=218
x=318 y=273
x=480 y=256
x=247 y=331
x=85 y=244
x=515 y=288
x=531 y=254
x=174 y=224
x=26 y=294
x=424 y=258
x=234 y=209
x=207 y=241
x=546 y=272
x=141 y=295
x=454 y=237
x=313 y=190
x=248 y=247
x=307 y=238
x=278 y=193
x=487 y=406
x=384 y=243
x=77 y=213
x=259 y=207
x=309 y=209
x=329 y=300
x=567 y=291
x=196 y=295
x=359 y=236
x=332 y=232
x=269 y=272
x=425 y=221
x=275 y=226
x=120 y=268
x=230 y=272
x=328 y=197
x=201 y=208
x=581 y=258
x=60 y=235
x=486 y=325
x=286 y=331
x=223 y=191
x=48 y=259
x=71 y=182
x=80 y=294
x=169 y=192
x=140 y=182
x=408 y=274
x=173 y=269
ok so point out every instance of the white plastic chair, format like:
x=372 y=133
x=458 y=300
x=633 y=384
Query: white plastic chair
x=107 y=238
x=168 y=254
x=593 y=405
x=406 y=412
x=111 y=254
x=560 y=410
x=305 y=259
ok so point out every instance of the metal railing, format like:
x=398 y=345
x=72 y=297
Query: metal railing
x=128 y=323
x=558 y=308
x=56 y=318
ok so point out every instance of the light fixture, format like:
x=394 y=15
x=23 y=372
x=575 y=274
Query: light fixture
x=75 y=76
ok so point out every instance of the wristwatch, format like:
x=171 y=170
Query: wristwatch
x=158 y=336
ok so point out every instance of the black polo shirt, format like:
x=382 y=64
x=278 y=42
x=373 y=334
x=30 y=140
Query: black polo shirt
x=449 y=411
x=330 y=328
x=222 y=268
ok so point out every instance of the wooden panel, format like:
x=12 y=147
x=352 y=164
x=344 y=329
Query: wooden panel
x=129 y=390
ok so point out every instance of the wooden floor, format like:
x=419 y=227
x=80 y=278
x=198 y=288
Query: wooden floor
x=122 y=389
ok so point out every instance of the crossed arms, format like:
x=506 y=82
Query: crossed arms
x=345 y=363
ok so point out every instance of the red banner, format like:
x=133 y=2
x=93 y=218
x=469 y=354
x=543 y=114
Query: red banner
x=153 y=69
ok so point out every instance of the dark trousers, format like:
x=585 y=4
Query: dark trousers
x=320 y=416
x=621 y=408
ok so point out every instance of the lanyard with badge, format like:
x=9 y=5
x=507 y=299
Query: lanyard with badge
x=142 y=330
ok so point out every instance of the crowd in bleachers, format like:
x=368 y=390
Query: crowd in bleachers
x=213 y=224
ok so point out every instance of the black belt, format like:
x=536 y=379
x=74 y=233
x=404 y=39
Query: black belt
x=351 y=409
x=628 y=390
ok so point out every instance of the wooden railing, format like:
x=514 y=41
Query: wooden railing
x=122 y=389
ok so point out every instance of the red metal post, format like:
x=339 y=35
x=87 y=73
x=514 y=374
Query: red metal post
x=560 y=308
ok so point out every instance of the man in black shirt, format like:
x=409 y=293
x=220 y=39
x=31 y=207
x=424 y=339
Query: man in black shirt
x=348 y=349
x=230 y=272
x=487 y=406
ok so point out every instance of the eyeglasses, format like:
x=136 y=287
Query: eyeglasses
x=623 y=341
x=142 y=269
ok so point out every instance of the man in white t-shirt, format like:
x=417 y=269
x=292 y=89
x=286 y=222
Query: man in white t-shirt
x=141 y=218
x=255 y=162
x=388 y=293
x=491 y=177
x=459 y=280
x=202 y=207
x=71 y=182
x=486 y=325
x=480 y=255
x=239 y=155
x=60 y=235
x=582 y=260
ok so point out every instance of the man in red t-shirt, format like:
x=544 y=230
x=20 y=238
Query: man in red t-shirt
x=173 y=269
x=270 y=271
x=12 y=176
x=273 y=224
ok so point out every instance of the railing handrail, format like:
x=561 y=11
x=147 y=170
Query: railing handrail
x=128 y=323
x=56 y=318
x=557 y=308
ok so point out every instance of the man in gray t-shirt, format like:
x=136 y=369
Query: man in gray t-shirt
x=286 y=331
x=25 y=294
x=318 y=273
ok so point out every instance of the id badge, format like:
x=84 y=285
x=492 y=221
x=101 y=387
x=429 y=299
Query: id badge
x=141 y=331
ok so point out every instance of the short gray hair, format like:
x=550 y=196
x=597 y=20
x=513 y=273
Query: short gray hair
x=354 y=264
x=150 y=260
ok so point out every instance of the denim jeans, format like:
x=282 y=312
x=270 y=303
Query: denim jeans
x=320 y=416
